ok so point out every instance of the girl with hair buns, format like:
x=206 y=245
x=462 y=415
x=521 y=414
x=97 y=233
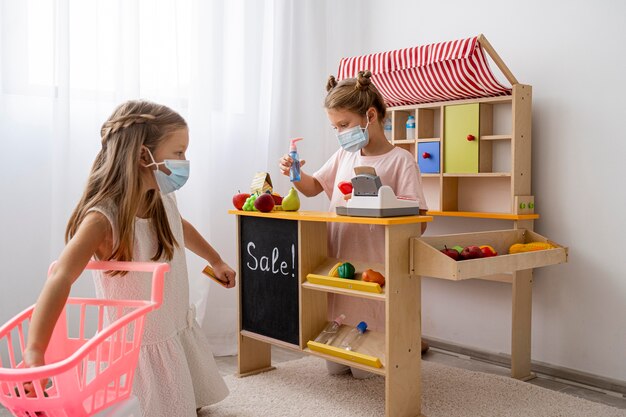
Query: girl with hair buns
x=356 y=111
x=128 y=212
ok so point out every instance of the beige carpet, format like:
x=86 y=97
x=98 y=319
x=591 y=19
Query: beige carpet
x=303 y=388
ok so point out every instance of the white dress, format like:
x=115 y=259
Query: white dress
x=176 y=372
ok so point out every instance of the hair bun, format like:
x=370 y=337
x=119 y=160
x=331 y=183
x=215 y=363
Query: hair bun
x=363 y=80
x=331 y=83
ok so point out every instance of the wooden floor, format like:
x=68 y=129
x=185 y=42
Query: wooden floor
x=228 y=366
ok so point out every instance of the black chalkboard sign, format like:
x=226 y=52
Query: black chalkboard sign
x=269 y=277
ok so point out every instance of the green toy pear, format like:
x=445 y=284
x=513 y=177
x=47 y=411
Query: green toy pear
x=291 y=202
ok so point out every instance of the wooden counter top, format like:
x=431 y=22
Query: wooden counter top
x=324 y=216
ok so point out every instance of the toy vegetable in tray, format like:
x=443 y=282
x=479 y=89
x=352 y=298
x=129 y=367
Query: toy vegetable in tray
x=346 y=270
x=369 y=275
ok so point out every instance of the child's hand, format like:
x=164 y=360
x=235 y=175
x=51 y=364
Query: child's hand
x=33 y=358
x=285 y=163
x=225 y=273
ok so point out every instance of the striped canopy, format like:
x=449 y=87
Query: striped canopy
x=443 y=71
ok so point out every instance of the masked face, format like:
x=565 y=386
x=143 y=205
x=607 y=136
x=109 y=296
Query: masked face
x=354 y=139
x=176 y=179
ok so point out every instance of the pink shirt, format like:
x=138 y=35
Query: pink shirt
x=357 y=242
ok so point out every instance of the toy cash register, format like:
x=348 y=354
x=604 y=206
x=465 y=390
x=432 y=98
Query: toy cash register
x=372 y=199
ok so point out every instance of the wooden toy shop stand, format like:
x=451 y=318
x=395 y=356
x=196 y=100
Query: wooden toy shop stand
x=281 y=252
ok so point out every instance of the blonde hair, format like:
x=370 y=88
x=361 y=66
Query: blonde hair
x=115 y=175
x=355 y=94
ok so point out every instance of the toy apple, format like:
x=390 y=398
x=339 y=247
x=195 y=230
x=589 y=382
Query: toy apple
x=453 y=253
x=264 y=203
x=488 y=251
x=471 y=252
x=239 y=199
x=278 y=200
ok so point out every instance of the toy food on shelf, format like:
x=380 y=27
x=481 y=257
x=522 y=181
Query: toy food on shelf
x=239 y=199
x=369 y=275
x=488 y=251
x=291 y=202
x=529 y=247
x=471 y=252
x=459 y=253
x=452 y=253
x=334 y=271
x=278 y=199
x=346 y=270
x=264 y=203
x=249 y=204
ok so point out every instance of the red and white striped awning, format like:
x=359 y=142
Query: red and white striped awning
x=443 y=71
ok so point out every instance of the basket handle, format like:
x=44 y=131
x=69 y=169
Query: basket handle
x=158 y=270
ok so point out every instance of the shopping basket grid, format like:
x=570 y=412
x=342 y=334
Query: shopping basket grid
x=91 y=357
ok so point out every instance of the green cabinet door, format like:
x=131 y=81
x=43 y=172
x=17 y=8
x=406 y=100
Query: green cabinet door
x=460 y=156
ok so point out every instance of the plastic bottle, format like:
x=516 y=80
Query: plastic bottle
x=410 y=127
x=294 y=171
x=330 y=331
x=354 y=337
x=387 y=128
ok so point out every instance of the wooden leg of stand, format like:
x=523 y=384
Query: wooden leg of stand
x=521 y=324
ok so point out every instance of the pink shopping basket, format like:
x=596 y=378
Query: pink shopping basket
x=91 y=358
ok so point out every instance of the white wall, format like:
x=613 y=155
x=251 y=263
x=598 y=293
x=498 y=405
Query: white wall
x=572 y=53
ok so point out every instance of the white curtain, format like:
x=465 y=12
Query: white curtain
x=246 y=74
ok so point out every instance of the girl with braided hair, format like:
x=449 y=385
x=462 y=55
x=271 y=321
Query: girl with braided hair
x=128 y=212
x=356 y=111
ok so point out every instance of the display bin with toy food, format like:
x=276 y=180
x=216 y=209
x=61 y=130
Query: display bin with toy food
x=515 y=250
x=91 y=357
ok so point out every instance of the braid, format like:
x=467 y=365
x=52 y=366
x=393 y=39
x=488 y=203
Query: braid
x=114 y=125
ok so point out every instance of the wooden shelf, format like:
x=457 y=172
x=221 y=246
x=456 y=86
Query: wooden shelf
x=421 y=140
x=484 y=215
x=434 y=175
x=479 y=175
x=373 y=344
x=495 y=137
x=323 y=268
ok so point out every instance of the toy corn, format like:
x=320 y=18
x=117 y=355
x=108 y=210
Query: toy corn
x=529 y=247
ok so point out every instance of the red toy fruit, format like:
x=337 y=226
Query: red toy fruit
x=471 y=252
x=453 y=253
x=345 y=187
x=278 y=200
x=239 y=200
x=488 y=251
x=264 y=203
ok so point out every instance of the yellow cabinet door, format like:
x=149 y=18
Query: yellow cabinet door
x=461 y=127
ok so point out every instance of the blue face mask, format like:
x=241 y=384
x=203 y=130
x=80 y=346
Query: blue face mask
x=355 y=138
x=179 y=174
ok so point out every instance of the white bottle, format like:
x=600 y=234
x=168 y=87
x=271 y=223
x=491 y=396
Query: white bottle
x=330 y=331
x=387 y=128
x=410 y=127
x=353 y=339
